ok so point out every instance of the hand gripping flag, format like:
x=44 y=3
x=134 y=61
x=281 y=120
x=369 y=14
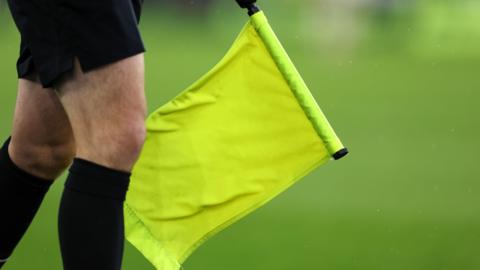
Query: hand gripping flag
x=231 y=142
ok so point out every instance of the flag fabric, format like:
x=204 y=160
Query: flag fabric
x=234 y=140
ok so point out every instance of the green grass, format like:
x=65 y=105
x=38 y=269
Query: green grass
x=407 y=197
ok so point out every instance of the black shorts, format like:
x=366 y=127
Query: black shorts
x=54 y=32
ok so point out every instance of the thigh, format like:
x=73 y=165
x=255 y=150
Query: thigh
x=107 y=108
x=40 y=124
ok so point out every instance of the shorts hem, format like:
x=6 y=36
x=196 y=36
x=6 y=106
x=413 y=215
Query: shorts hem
x=49 y=80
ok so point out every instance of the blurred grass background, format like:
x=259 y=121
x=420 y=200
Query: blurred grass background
x=399 y=80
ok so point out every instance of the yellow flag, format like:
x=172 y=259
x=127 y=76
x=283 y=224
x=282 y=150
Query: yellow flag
x=234 y=140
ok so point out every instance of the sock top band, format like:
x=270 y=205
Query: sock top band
x=22 y=175
x=97 y=180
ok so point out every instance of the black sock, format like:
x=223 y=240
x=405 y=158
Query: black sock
x=21 y=195
x=91 y=226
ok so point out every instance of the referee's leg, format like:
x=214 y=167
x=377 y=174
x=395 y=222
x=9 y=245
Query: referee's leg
x=107 y=109
x=40 y=149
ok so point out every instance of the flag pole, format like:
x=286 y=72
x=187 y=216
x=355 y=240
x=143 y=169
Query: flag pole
x=313 y=111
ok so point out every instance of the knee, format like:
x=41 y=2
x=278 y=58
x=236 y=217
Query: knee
x=118 y=147
x=130 y=141
x=47 y=160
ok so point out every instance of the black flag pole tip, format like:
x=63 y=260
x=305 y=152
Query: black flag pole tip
x=340 y=154
x=250 y=5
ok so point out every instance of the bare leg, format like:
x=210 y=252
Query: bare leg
x=107 y=109
x=42 y=139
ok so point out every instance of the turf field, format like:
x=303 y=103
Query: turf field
x=408 y=196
